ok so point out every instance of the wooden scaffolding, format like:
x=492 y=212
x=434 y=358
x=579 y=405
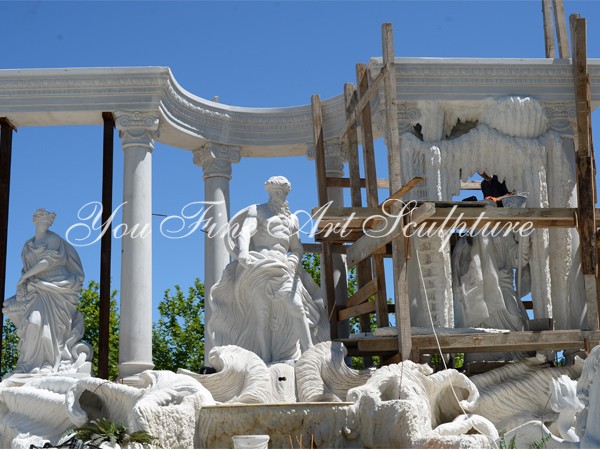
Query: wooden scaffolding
x=367 y=253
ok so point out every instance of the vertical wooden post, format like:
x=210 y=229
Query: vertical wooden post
x=585 y=169
x=561 y=28
x=363 y=268
x=105 y=245
x=395 y=175
x=366 y=127
x=6 y=130
x=548 y=29
x=326 y=260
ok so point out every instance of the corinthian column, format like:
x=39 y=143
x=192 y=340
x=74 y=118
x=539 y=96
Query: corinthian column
x=137 y=131
x=215 y=160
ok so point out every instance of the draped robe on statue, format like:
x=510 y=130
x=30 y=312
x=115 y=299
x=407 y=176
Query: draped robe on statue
x=46 y=316
x=259 y=307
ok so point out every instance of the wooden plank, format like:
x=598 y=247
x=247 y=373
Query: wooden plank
x=366 y=128
x=382 y=183
x=317 y=118
x=395 y=174
x=470 y=185
x=561 y=29
x=381 y=306
x=370 y=243
x=105 y=245
x=365 y=98
x=591 y=297
x=358 y=310
x=393 y=199
x=363 y=271
x=487 y=342
x=584 y=160
x=548 y=29
x=6 y=136
x=317 y=248
x=326 y=255
x=363 y=294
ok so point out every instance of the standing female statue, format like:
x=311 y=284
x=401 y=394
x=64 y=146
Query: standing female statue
x=45 y=307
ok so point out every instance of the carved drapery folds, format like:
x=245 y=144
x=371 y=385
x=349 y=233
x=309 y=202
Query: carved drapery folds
x=216 y=159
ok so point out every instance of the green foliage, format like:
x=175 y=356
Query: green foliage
x=89 y=305
x=178 y=336
x=10 y=354
x=311 y=262
x=502 y=441
x=102 y=431
x=459 y=361
x=541 y=443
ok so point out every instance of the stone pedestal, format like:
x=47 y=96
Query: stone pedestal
x=215 y=160
x=137 y=131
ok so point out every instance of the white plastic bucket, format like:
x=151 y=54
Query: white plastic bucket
x=251 y=441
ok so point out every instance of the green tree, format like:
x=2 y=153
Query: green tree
x=178 y=336
x=89 y=305
x=10 y=354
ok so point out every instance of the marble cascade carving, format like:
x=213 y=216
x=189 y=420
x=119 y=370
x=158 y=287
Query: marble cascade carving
x=402 y=405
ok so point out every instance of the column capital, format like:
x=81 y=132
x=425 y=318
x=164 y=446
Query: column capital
x=335 y=156
x=216 y=159
x=137 y=128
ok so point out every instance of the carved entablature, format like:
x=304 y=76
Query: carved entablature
x=335 y=156
x=216 y=159
x=137 y=128
x=562 y=117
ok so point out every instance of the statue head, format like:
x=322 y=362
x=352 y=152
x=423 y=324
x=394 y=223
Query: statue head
x=42 y=216
x=278 y=188
x=278 y=183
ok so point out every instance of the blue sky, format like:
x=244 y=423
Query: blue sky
x=259 y=54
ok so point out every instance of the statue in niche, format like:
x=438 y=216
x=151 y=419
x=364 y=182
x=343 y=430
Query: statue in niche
x=265 y=301
x=44 y=309
x=484 y=281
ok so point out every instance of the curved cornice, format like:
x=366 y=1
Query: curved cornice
x=36 y=97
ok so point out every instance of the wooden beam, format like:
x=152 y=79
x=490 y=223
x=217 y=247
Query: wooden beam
x=372 y=195
x=366 y=128
x=317 y=248
x=349 y=223
x=382 y=183
x=470 y=185
x=363 y=294
x=326 y=255
x=370 y=243
x=399 y=250
x=105 y=245
x=548 y=29
x=363 y=102
x=6 y=135
x=358 y=310
x=584 y=155
x=392 y=199
x=486 y=342
x=363 y=271
x=561 y=29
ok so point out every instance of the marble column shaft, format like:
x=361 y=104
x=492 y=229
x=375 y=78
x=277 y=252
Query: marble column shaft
x=215 y=160
x=137 y=131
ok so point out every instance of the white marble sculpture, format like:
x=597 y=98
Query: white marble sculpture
x=44 y=309
x=588 y=390
x=483 y=281
x=265 y=301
